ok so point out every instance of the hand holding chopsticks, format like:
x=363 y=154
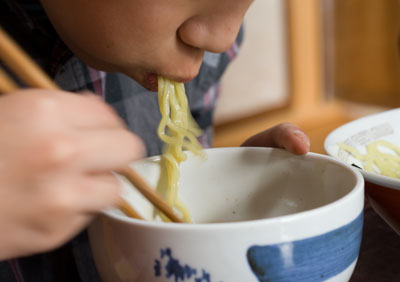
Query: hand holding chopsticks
x=13 y=56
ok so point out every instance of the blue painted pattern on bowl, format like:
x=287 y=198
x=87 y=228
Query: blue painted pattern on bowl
x=313 y=259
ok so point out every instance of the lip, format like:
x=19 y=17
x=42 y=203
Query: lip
x=150 y=80
x=177 y=78
x=184 y=79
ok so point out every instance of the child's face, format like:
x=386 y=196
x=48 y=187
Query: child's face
x=144 y=38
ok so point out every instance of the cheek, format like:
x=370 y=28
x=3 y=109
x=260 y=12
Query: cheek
x=105 y=31
x=134 y=37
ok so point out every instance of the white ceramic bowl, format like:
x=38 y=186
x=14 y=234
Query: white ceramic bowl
x=261 y=215
x=383 y=192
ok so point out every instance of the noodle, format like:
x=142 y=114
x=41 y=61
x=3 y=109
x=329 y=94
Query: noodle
x=385 y=162
x=179 y=131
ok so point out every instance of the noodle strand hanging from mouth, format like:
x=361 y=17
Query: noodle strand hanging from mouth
x=179 y=131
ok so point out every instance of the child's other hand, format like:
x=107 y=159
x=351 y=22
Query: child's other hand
x=56 y=153
x=285 y=135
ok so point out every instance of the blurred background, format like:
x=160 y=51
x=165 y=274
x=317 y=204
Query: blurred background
x=317 y=63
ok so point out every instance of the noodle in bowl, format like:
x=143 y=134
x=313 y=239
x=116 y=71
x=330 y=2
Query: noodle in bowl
x=259 y=214
x=382 y=192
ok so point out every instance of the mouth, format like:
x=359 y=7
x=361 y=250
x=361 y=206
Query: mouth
x=148 y=76
x=150 y=80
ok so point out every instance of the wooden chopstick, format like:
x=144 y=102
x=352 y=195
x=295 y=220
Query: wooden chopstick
x=127 y=209
x=148 y=192
x=6 y=84
x=23 y=66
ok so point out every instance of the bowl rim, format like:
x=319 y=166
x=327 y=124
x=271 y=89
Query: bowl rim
x=357 y=189
x=371 y=177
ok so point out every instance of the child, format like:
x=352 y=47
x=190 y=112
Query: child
x=57 y=149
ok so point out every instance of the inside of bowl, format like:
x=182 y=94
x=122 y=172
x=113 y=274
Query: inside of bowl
x=238 y=185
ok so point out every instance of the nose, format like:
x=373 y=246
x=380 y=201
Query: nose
x=216 y=30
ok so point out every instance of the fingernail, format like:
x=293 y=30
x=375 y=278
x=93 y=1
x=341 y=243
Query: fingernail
x=303 y=137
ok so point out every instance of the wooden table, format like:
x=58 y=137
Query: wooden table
x=379 y=259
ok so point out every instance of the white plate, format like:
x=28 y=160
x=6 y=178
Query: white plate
x=359 y=133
